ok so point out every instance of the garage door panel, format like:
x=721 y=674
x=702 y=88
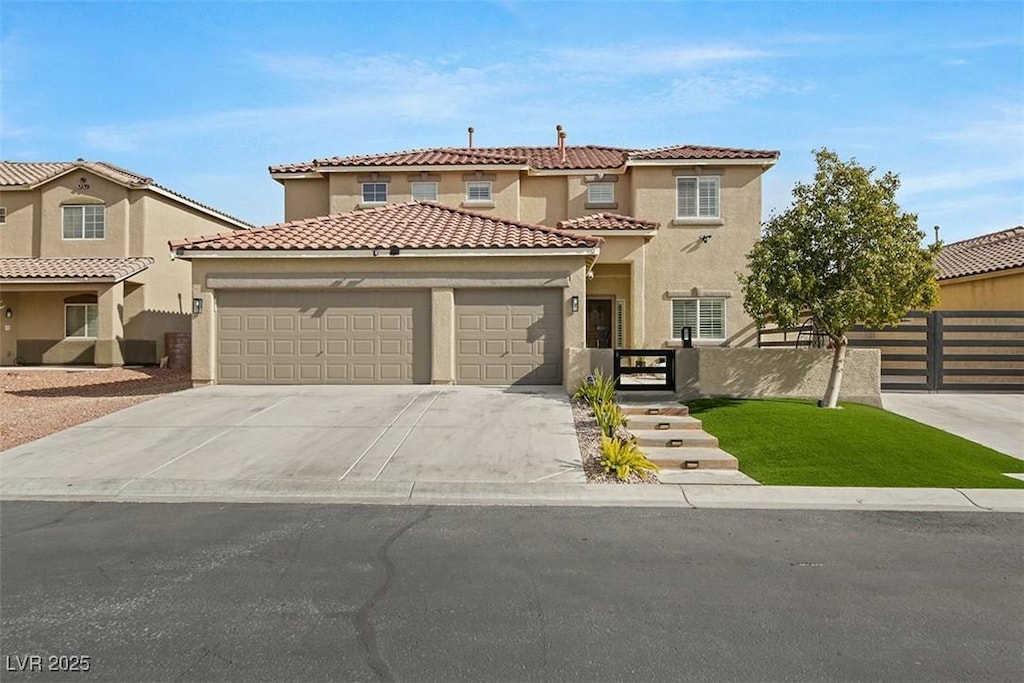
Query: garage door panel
x=315 y=337
x=508 y=336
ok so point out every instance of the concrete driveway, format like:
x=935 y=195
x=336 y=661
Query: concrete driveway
x=993 y=420
x=330 y=434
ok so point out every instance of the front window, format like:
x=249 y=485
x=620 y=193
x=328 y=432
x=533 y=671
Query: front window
x=3 y=215
x=697 y=197
x=84 y=222
x=704 y=317
x=81 y=320
x=375 y=193
x=601 y=193
x=478 y=191
x=424 y=192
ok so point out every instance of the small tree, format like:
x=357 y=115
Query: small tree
x=843 y=253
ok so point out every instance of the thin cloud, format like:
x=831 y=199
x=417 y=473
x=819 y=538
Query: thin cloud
x=913 y=185
x=648 y=60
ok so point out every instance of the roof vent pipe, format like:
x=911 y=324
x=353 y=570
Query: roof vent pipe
x=936 y=228
x=561 y=143
x=471 y=137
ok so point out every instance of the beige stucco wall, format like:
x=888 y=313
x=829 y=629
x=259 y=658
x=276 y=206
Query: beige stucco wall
x=138 y=222
x=543 y=200
x=306 y=197
x=346 y=190
x=753 y=373
x=1002 y=291
x=384 y=272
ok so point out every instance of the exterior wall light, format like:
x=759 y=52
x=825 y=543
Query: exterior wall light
x=9 y=313
x=575 y=302
x=197 y=305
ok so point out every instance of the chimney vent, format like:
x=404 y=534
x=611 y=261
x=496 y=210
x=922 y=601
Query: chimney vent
x=561 y=143
x=471 y=137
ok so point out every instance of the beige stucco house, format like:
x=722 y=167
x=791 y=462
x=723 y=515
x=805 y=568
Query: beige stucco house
x=479 y=265
x=85 y=277
x=984 y=273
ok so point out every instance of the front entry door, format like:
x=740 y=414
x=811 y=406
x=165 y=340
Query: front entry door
x=599 y=323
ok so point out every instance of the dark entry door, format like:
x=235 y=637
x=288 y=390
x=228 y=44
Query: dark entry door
x=599 y=323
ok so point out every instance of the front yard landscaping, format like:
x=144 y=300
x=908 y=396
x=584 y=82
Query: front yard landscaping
x=795 y=443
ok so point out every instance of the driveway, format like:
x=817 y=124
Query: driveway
x=330 y=434
x=993 y=420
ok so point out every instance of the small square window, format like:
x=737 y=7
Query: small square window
x=84 y=222
x=3 y=215
x=697 y=197
x=601 y=193
x=479 y=191
x=424 y=191
x=81 y=320
x=375 y=193
x=704 y=317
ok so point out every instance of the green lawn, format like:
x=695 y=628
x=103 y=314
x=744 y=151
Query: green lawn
x=795 y=443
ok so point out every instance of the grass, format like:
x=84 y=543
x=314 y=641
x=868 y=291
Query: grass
x=795 y=443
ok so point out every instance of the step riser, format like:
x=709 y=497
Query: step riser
x=676 y=465
x=680 y=411
x=664 y=441
x=672 y=460
x=661 y=423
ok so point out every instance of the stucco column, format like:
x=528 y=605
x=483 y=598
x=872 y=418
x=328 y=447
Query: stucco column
x=110 y=335
x=442 y=325
x=637 y=302
x=204 y=338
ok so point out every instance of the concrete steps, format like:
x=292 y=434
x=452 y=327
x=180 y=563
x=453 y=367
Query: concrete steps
x=661 y=422
x=674 y=441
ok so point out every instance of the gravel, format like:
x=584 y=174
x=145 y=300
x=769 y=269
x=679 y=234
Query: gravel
x=589 y=436
x=38 y=402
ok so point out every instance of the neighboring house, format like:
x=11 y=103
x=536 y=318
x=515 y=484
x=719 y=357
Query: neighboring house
x=983 y=273
x=479 y=265
x=85 y=277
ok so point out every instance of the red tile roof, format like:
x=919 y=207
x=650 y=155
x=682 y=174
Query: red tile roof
x=29 y=174
x=412 y=225
x=42 y=269
x=607 y=221
x=984 y=254
x=581 y=157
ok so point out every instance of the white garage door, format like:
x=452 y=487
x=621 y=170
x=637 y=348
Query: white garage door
x=508 y=336
x=312 y=337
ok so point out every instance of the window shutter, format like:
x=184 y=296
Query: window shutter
x=620 y=324
x=686 y=197
x=684 y=314
x=712 y=319
x=709 y=197
x=601 y=193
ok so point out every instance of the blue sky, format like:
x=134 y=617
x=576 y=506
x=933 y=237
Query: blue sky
x=204 y=96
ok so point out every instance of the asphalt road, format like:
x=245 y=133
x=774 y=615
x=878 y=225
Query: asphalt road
x=203 y=592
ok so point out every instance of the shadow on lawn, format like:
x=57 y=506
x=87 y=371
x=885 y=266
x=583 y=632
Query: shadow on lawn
x=703 y=405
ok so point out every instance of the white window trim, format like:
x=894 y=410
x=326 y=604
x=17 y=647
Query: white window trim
x=595 y=200
x=698 y=216
x=696 y=330
x=86 y=335
x=480 y=183
x=412 y=189
x=65 y=207
x=362 y=194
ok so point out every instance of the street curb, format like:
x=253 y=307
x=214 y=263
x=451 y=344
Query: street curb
x=693 y=496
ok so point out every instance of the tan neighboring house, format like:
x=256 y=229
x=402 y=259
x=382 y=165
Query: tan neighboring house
x=984 y=273
x=85 y=277
x=479 y=265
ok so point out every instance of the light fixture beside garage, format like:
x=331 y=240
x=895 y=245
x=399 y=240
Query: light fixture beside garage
x=575 y=301
x=197 y=305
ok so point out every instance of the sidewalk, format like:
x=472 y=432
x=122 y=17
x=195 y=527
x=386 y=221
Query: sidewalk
x=443 y=493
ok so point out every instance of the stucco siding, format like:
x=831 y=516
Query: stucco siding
x=18 y=236
x=1002 y=291
x=346 y=190
x=306 y=197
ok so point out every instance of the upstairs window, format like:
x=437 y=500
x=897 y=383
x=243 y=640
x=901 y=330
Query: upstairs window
x=84 y=222
x=424 y=191
x=81 y=320
x=479 y=191
x=697 y=197
x=704 y=317
x=375 y=193
x=601 y=193
x=3 y=215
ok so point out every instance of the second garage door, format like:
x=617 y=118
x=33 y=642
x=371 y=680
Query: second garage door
x=508 y=336
x=314 y=337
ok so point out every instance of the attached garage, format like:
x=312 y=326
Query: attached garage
x=310 y=337
x=508 y=336
x=414 y=293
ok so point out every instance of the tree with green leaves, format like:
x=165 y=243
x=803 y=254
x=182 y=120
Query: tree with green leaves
x=843 y=253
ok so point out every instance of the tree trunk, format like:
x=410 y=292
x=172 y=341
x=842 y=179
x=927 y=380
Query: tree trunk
x=835 y=378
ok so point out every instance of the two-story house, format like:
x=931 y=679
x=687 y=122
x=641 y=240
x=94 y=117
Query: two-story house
x=85 y=277
x=479 y=265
